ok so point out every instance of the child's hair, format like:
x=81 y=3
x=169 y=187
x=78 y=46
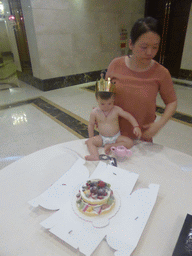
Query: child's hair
x=104 y=95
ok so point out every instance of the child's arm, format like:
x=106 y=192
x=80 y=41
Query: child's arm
x=91 y=124
x=132 y=120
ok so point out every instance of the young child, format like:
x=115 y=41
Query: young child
x=106 y=116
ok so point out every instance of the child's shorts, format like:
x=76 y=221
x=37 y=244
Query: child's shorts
x=110 y=140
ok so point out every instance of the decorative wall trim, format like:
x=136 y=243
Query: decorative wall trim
x=185 y=74
x=7 y=54
x=79 y=125
x=59 y=82
x=7 y=86
x=178 y=116
x=73 y=123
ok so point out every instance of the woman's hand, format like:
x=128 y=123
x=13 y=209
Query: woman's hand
x=150 y=130
x=137 y=132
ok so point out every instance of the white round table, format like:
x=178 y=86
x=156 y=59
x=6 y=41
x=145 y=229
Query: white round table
x=21 y=233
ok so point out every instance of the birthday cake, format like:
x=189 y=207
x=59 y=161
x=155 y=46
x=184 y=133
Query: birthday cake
x=95 y=198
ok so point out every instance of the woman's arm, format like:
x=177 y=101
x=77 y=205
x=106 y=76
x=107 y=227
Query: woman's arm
x=152 y=129
x=127 y=116
x=131 y=119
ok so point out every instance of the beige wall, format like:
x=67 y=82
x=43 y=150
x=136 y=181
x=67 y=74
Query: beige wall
x=4 y=40
x=11 y=36
x=69 y=37
x=186 y=62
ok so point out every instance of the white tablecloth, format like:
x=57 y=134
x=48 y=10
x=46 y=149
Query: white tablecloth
x=21 y=233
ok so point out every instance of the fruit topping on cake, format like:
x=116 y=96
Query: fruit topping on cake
x=95 y=198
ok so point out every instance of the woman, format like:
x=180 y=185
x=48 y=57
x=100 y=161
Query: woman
x=139 y=78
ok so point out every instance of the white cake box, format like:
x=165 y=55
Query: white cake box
x=122 y=227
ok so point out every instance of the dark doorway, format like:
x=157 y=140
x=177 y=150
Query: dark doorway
x=20 y=35
x=173 y=17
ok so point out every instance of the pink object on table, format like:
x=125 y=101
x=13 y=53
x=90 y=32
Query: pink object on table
x=121 y=151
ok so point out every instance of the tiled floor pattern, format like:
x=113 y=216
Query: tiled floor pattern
x=31 y=119
x=4 y=86
x=181 y=117
x=8 y=68
x=70 y=121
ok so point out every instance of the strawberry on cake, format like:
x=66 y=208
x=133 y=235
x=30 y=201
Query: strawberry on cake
x=95 y=198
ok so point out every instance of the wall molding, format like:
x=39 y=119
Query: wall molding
x=58 y=82
x=185 y=74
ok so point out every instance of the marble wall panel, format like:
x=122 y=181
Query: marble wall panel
x=57 y=67
x=186 y=62
x=106 y=6
x=85 y=43
x=109 y=31
x=126 y=20
x=128 y=6
x=137 y=6
x=91 y=51
x=85 y=21
x=74 y=37
x=4 y=39
x=51 y=46
x=50 y=4
x=31 y=36
x=52 y=21
x=88 y=62
x=94 y=61
x=11 y=35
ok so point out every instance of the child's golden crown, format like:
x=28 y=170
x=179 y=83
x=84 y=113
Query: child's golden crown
x=105 y=85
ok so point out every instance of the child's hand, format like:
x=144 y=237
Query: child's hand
x=137 y=132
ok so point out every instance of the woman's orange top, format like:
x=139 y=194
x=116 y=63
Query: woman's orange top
x=136 y=92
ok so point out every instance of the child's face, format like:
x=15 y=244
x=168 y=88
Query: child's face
x=106 y=105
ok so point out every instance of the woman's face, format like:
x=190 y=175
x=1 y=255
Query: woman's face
x=146 y=46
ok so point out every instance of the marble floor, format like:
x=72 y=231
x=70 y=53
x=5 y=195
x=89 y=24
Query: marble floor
x=31 y=119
